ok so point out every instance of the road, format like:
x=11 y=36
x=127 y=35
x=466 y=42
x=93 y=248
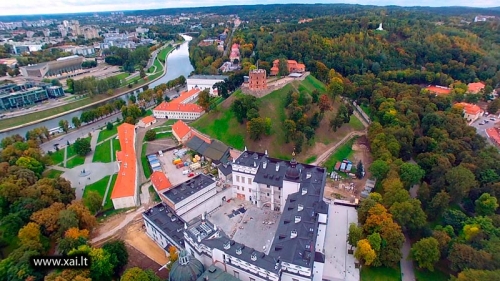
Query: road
x=481 y=129
x=322 y=158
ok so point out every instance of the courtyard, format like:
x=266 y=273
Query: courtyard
x=245 y=223
x=339 y=264
x=174 y=175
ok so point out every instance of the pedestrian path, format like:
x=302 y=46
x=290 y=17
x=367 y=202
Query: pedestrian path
x=107 y=190
x=128 y=218
x=93 y=144
x=65 y=156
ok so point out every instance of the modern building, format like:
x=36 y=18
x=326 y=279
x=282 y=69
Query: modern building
x=27 y=94
x=257 y=79
x=475 y=88
x=79 y=50
x=472 y=112
x=438 y=90
x=293 y=67
x=124 y=194
x=61 y=66
x=203 y=82
x=180 y=108
x=147 y=121
x=296 y=190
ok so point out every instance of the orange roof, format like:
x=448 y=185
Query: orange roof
x=182 y=107
x=469 y=108
x=475 y=87
x=160 y=181
x=494 y=135
x=125 y=184
x=185 y=95
x=439 y=90
x=148 y=119
x=181 y=129
x=202 y=137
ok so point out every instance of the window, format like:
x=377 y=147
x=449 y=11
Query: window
x=237 y=178
x=267 y=194
x=251 y=279
x=293 y=279
x=237 y=187
x=237 y=274
x=249 y=190
x=249 y=181
x=242 y=188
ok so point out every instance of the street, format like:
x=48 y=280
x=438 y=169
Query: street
x=481 y=129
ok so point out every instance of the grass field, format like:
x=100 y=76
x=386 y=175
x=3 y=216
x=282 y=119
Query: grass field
x=102 y=152
x=366 y=109
x=424 y=275
x=144 y=161
x=122 y=76
x=75 y=161
x=109 y=203
x=355 y=123
x=164 y=135
x=116 y=147
x=57 y=156
x=52 y=174
x=153 y=194
x=343 y=152
x=105 y=133
x=380 y=274
x=311 y=159
x=100 y=187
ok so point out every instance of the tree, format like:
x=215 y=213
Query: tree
x=375 y=241
x=426 y=253
x=29 y=233
x=137 y=274
x=142 y=73
x=494 y=106
x=48 y=218
x=443 y=241
x=409 y=214
x=85 y=218
x=438 y=204
x=204 y=100
x=464 y=257
x=364 y=252
x=67 y=220
x=119 y=254
x=76 y=122
x=30 y=164
x=324 y=103
x=150 y=135
x=101 y=266
x=256 y=127
x=109 y=126
x=459 y=181
x=82 y=146
x=474 y=275
x=355 y=234
x=486 y=205
x=379 y=169
x=93 y=201
x=64 y=125
x=173 y=256
x=411 y=174
x=283 y=67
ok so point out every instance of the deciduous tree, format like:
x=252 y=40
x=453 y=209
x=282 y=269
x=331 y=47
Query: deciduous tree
x=150 y=135
x=64 y=125
x=355 y=234
x=324 y=103
x=426 y=253
x=82 y=146
x=137 y=274
x=204 y=100
x=411 y=174
x=93 y=201
x=459 y=181
x=486 y=205
x=364 y=252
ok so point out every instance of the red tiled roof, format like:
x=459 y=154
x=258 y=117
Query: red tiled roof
x=202 y=137
x=185 y=95
x=469 y=108
x=148 y=119
x=494 y=135
x=181 y=107
x=475 y=87
x=160 y=181
x=125 y=184
x=181 y=129
x=439 y=90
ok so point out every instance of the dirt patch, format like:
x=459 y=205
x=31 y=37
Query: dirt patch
x=135 y=235
x=109 y=224
x=138 y=259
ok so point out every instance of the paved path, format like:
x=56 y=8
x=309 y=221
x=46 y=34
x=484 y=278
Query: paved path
x=65 y=156
x=145 y=196
x=58 y=168
x=126 y=220
x=323 y=157
x=96 y=171
x=111 y=151
x=107 y=190
x=407 y=270
x=93 y=144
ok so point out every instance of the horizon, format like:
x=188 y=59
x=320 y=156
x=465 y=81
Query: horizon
x=61 y=7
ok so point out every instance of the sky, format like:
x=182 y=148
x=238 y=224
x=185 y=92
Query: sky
x=29 y=7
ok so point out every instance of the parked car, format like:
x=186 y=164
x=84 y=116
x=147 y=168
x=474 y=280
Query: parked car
x=493 y=119
x=481 y=123
x=191 y=175
x=486 y=121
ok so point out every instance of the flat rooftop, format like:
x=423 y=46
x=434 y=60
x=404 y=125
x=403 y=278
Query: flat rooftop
x=212 y=77
x=187 y=188
x=167 y=221
x=243 y=226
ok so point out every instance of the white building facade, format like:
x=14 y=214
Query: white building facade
x=203 y=82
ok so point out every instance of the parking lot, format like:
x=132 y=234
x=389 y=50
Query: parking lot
x=481 y=129
x=174 y=175
x=241 y=220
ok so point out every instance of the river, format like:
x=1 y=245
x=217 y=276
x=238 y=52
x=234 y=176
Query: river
x=177 y=64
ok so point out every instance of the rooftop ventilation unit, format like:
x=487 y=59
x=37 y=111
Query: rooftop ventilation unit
x=277 y=167
x=238 y=251
x=253 y=257
x=264 y=165
x=308 y=175
x=293 y=234
x=304 y=191
x=227 y=245
x=300 y=207
x=297 y=219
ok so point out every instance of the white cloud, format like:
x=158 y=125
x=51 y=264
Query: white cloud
x=24 y=7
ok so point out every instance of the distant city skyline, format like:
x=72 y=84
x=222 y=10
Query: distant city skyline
x=35 y=7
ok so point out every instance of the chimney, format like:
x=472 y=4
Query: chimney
x=185 y=226
x=300 y=207
x=254 y=164
x=264 y=164
x=293 y=234
x=245 y=148
x=304 y=191
x=297 y=219
x=277 y=167
x=265 y=152
x=199 y=239
x=308 y=175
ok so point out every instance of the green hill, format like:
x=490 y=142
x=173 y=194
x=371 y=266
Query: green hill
x=221 y=123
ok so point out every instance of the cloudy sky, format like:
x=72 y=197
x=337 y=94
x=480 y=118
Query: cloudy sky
x=27 y=7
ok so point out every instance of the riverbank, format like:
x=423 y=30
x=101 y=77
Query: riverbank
x=14 y=123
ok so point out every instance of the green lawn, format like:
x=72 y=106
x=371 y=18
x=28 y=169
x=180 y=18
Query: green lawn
x=164 y=135
x=163 y=53
x=105 y=133
x=52 y=174
x=109 y=203
x=311 y=159
x=366 y=109
x=122 y=76
x=57 y=156
x=153 y=193
x=102 y=152
x=75 y=161
x=380 y=274
x=356 y=124
x=100 y=187
x=116 y=147
x=343 y=152
x=149 y=112
x=145 y=163
x=424 y=275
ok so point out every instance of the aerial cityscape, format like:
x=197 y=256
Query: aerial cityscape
x=235 y=140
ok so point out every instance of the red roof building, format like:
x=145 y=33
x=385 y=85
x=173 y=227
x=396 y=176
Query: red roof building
x=160 y=182
x=124 y=194
x=180 y=108
x=475 y=88
x=438 y=90
x=494 y=135
x=181 y=131
x=472 y=112
x=293 y=67
x=147 y=121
